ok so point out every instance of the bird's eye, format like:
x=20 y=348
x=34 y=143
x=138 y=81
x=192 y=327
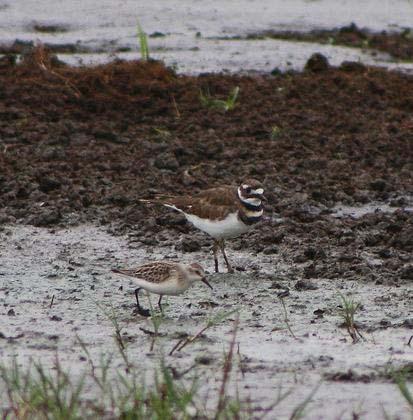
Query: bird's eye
x=248 y=190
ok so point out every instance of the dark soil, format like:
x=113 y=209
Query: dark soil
x=84 y=144
x=398 y=44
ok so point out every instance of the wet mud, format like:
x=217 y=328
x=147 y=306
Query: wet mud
x=398 y=44
x=333 y=147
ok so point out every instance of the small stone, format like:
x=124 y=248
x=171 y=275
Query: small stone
x=385 y=253
x=48 y=184
x=55 y=318
x=190 y=245
x=204 y=360
x=407 y=272
x=313 y=253
x=53 y=337
x=283 y=294
x=167 y=161
x=352 y=66
x=46 y=218
x=319 y=313
x=310 y=271
x=378 y=185
x=11 y=312
x=305 y=285
x=276 y=285
x=271 y=249
x=408 y=323
x=317 y=63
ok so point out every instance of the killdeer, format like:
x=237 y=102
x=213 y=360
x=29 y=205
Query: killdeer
x=223 y=212
x=163 y=278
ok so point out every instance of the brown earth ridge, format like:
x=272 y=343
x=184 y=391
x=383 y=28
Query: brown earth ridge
x=84 y=144
x=399 y=45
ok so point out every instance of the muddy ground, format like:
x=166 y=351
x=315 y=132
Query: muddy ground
x=333 y=148
x=399 y=45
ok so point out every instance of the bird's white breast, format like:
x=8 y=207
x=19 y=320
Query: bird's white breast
x=230 y=227
x=167 y=287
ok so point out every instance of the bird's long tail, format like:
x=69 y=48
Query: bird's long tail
x=160 y=201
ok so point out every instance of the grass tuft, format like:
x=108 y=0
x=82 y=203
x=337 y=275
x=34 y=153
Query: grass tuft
x=347 y=311
x=225 y=105
x=38 y=392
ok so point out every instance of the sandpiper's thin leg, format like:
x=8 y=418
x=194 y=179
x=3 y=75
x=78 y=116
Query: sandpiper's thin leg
x=159 y=302
x=222 y=246
x=141 y=311
x=215 y=251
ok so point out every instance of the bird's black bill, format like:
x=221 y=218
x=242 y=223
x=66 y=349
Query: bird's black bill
x=204 y=280
x=259 y=196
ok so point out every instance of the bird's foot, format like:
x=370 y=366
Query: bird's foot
x=142 y=312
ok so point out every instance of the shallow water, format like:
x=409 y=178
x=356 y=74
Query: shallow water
x=107 y=26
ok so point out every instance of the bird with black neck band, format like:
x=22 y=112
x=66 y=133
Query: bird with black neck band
x=223 y=213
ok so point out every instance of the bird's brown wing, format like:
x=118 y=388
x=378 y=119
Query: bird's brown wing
x=152 y=272
x=214 y=203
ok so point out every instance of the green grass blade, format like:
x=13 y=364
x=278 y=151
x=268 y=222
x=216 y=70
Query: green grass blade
x=143 y=43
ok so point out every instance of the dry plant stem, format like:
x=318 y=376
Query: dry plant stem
x=354 y=332
x=153 y=342
x=240 y=362
x=179 y=346
x=119 y=340
x=298 y=412
x=89 y=358
x=149 y=332
x=409 y=343
x=51 y=302
x=40 y=57
x=178 y=114
x=122 y=349
x=218 y=318
x=286 y=318
x=227 y=370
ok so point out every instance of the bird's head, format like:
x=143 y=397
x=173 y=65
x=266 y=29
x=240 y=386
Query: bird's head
x=251 y=191
x=196 y=273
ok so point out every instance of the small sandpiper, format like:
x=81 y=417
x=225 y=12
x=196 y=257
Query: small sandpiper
x=223 y=212
x=163 y=278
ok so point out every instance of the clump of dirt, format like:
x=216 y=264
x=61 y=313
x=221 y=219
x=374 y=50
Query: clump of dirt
x=83 y=144
x=398 y=44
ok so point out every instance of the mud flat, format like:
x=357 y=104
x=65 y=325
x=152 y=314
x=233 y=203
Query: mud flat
x=333 y=147
x=72 y=267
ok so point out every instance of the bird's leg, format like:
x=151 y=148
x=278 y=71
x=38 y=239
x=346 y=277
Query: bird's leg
x=141 y=311
x=222 y=246
x=215 y=251
x=159 y=302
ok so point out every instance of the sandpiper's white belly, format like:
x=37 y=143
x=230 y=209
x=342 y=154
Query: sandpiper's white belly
x=230 y=227
x=168 y=287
